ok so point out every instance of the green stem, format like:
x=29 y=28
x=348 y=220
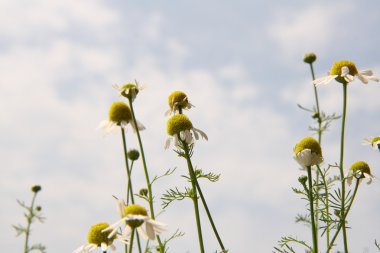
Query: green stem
x=342 y=210
x=312 y=215
x=130 y=188
x=29 y=223
x=195 y=197
x=206 y=207
x=319 y=141
x=149 y=186
x=131 y=240
x=327 y=206
x=345 y=216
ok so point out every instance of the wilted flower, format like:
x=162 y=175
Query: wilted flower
x=177 y=101
x=119 y=116
x=359 y=170
x=374 y=142
x=308 y=152
x=98 y=239
x=345 y=72
x=135 y=216
x=179 y=127
x=129 y=90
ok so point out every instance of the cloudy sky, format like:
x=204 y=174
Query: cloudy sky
x=240 y=62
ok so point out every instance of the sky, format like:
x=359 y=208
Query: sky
x=241 y=65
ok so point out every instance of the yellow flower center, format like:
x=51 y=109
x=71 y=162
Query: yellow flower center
x=96 y=236
x=135 y=210
x=336 y=69
x=178 y=123
x=360 y=167
x=376 y=139
x=308 y=143
x=119 y=112
x=178 y=98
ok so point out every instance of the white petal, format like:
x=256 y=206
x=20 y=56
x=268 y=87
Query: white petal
x=345 y=71
x=150 y=231
x=366 y=72
x=167 y=142
x=168 y=112
x=142 y=233
x=112 y=247
x=120 y=206
x=349 y=78
x=103 y=246
x=349 y=179
x=158 y=226
x=126 y=231
x=195 y=134
x=204 y=136
x=140 y=126
x=324 y=80
x=362 y=78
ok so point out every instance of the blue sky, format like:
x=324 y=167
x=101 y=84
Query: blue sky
x=241 y=65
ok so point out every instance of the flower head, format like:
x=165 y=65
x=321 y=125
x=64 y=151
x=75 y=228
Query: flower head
x=119 y=115
x=134 y=216
x=308 y=152
x=178 y=101
x=374 y=142
x=129 y=90
x=97 y=238
x=133 y=154
x=36 y=188
x=180 y=128
x=345 y=72
x=309 y=58
x=359 y=170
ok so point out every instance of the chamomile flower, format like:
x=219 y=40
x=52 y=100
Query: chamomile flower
x=359 y=170
x=178 y=101
x=119 y=116
x=129 y=90
x=134 y=216
x=179 y=127
x=345 y=72
x=98 y=239
x=308 y=152
x=374 y=142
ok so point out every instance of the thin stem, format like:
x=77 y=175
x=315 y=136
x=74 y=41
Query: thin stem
x=312 y=215
x=319 y=141
x=205 y=205
x=345 y=216
x=130 y=188
x=342 y=210
x=195 y=197
x=327 y=206
x=29 y=221
x=131 y=240
x=149 y=186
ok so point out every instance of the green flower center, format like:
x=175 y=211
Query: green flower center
x=178 y=123
x=119 y=112
x=360 y=167
x=178 y=98
x=309 y=58
x=336 y=69
x=96 y=236
x=308 y=143
x=135 y=210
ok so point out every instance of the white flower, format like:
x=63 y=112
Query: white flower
x=99 y=239
x=359 y=170
x=180 y=128
x=345 y=72
x=374 y=142
x=129 y=90
x=178 y=101
x=119 y=116
x=135 y=216
x=308 y=152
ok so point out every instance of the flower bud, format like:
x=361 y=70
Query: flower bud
x=309 y=58
x=133 y=154
x=36 y=188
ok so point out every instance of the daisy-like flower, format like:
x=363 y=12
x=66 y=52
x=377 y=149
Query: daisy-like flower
x=359 y=170
x=98 y=239
x=179 y=127
x=345 y=72
x=374 y=142
x=119 y=116
x=178 y=101
x=129 y=90
x=135 y=216
x=308 y=152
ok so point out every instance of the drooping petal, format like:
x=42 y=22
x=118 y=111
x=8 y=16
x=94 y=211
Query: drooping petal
x=142 y=233
x=103 y=246
x=150 y=231
x=203 y=134
x=324 y=80
x=158 y=226
x=167 y=142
